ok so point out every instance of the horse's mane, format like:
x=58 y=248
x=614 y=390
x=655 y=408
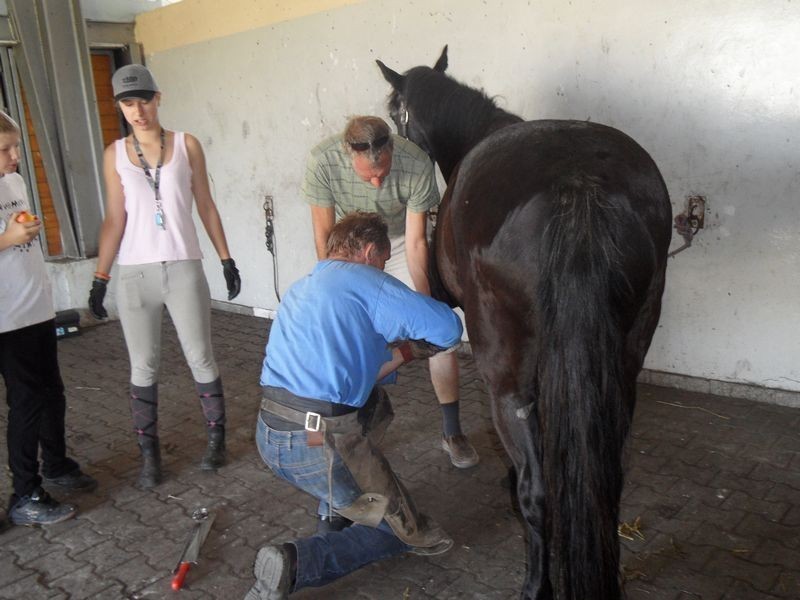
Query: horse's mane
x=466 y=114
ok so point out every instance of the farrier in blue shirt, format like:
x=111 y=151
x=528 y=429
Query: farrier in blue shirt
x=330 y=336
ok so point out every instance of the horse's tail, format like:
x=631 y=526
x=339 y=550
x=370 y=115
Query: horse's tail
x=585 y=400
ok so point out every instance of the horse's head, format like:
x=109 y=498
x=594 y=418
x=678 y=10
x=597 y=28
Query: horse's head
x=405 y=116
x=443 y=117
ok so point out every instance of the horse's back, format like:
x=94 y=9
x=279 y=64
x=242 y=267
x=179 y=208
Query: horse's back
x=509 y=187
x=538 y=156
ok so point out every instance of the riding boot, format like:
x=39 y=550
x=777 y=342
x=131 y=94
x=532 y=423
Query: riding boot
x=214 y=457
x=144 y=409
x=150 y=475
x=212 y=400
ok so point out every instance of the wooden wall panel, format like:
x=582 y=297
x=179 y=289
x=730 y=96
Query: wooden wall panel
x=52 y=228
x=102 y=68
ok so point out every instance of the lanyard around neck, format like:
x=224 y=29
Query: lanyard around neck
x=153 y=180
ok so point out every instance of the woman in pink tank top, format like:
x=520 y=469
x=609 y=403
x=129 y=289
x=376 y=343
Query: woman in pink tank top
x=153 y=179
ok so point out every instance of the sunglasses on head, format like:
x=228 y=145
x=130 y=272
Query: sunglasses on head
x=364 y=146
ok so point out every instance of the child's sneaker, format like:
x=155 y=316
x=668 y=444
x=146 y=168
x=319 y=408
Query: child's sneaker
x=40 y=509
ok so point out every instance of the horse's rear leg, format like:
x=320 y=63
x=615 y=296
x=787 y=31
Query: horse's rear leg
x=500 y=339
x=518 y=435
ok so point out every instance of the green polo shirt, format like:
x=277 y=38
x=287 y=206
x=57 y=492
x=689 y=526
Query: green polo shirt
x=330 y=180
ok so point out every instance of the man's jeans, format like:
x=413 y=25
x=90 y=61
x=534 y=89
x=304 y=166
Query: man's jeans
x=324 y=558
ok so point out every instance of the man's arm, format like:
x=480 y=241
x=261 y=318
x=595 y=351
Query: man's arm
x=417 y=250
x=322 y=220
x=401 y=314
x=316 y=191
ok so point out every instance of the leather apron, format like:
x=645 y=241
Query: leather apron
x=355 y=437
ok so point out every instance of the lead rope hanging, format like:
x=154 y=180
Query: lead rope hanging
x=269 y=234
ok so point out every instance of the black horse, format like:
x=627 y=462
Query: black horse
x=553 y=237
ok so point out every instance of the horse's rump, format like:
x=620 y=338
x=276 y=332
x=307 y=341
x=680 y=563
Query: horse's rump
x=508 y=189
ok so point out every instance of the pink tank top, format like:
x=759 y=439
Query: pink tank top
x=143 y=240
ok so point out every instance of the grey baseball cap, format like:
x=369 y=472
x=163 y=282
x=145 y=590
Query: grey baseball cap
x=133 y=81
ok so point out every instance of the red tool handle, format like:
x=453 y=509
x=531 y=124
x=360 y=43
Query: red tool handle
x=177 y=581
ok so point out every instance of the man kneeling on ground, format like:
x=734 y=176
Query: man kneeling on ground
x=323 y=411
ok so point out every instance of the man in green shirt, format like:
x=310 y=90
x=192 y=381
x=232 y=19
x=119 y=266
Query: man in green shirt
x=368 y=168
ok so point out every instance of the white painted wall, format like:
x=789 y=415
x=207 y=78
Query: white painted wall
x=708 y=87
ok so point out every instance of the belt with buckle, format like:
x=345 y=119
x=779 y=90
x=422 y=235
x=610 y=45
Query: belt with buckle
x=312 y=422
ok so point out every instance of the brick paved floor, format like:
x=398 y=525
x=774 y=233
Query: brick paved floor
x=714 y=483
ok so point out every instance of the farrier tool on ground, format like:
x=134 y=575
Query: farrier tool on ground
x=203 y=520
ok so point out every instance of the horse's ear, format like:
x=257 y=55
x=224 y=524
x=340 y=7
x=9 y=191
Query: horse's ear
x=441 y=64
x=393 y=77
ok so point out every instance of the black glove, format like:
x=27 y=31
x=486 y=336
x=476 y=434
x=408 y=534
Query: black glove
x=96 y=296
x=232 y=279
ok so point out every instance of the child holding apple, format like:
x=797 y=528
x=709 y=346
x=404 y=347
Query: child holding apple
x=28 y=356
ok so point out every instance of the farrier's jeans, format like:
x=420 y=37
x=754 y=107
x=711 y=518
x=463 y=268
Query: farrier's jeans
x=322 y=559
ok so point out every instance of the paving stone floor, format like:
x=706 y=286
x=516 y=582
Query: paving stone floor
x=713 y=489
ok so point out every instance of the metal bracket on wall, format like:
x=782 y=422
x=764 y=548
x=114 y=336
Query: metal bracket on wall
x=269 y=235
x=690 y=221
x=696 y=211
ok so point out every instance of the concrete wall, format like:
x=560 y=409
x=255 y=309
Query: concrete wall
x=707 y=87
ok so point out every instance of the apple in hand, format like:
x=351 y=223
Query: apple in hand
x=26 y=217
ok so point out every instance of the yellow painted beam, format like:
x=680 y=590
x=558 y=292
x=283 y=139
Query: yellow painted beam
x=193 y=21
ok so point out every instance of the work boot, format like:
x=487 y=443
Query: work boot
x=150 y=475
x=461 y=452
x=39 y=508
x=214 y=457
x=273 y=571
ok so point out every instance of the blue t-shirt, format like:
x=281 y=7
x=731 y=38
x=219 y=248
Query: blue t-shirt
x=330 y=336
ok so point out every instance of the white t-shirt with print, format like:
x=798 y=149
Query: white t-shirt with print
x=25 y=294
